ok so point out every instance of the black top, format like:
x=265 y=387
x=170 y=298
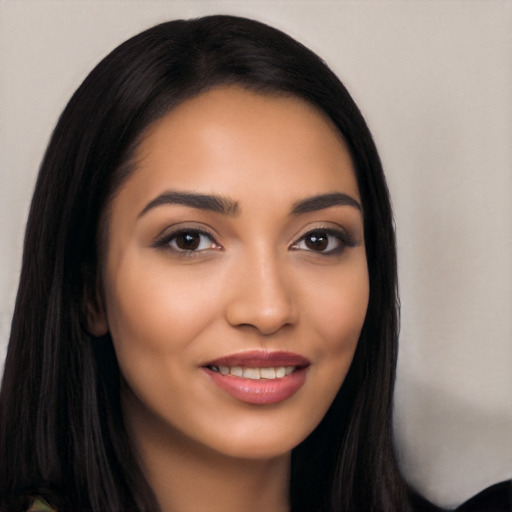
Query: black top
x=497 y=498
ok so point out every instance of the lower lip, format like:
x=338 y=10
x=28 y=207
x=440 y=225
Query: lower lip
x=259 y=391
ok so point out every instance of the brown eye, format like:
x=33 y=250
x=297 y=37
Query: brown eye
x=187 y=240
x=317 y=241
x=325 y=242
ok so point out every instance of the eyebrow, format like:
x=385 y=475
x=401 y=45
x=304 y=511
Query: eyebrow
x=210 y=202
x=226 y=206
x=324 y=201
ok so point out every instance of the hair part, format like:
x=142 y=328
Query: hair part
x=61 y=425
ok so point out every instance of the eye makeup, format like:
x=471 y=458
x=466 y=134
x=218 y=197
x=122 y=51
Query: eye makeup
x=187 y=241
x=325 y=241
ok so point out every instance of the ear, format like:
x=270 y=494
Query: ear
x=95 y=316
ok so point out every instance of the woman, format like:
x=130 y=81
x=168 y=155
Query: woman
x=207 y=310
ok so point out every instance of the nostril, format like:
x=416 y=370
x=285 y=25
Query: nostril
x=266 y=321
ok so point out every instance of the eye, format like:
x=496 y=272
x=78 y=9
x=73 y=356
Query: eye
x=188 y=241
x=325 y=241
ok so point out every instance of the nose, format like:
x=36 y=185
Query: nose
x=261 y=296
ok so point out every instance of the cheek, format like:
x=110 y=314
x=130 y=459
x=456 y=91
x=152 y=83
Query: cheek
x=154 y=316
x=153 y=311
x=337 y=312
x=338 y=306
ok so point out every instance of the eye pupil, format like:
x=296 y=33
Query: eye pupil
x=188 y=241
x=317 y=241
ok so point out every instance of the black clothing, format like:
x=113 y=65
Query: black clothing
x=497 y=498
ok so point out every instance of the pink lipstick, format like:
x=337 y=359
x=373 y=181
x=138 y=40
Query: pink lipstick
x=259 y=377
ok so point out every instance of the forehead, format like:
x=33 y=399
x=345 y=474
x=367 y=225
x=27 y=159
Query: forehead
x=230 y=139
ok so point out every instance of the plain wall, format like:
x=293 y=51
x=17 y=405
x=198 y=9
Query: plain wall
x=434 y=80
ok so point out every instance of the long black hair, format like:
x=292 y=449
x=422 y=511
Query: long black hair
x=61 y=430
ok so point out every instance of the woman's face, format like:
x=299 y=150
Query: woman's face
x=235 y=283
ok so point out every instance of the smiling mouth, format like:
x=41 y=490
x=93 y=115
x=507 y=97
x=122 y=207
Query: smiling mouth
x=259 y=377
x=277 y=372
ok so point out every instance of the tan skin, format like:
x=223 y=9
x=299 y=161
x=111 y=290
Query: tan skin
x=184 y=285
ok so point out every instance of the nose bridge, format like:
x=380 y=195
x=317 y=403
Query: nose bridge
x=262 y=296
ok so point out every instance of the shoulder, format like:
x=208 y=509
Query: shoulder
x=497 y=498
x=39 y=505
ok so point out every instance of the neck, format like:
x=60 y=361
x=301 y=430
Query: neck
x=186 y=475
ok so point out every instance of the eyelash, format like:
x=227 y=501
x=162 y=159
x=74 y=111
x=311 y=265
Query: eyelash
x=343 y=240
x=165 y=241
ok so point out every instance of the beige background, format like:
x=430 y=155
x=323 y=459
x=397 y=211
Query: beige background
x=434 y=79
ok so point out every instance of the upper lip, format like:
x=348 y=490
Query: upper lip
x=260 y=359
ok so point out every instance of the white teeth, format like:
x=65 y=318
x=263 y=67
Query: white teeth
x=268 y=373
x=252 y=373
x=255 y=373
x=237 y=371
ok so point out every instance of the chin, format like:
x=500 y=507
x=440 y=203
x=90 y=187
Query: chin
x=261 y=436
x=262 y=448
